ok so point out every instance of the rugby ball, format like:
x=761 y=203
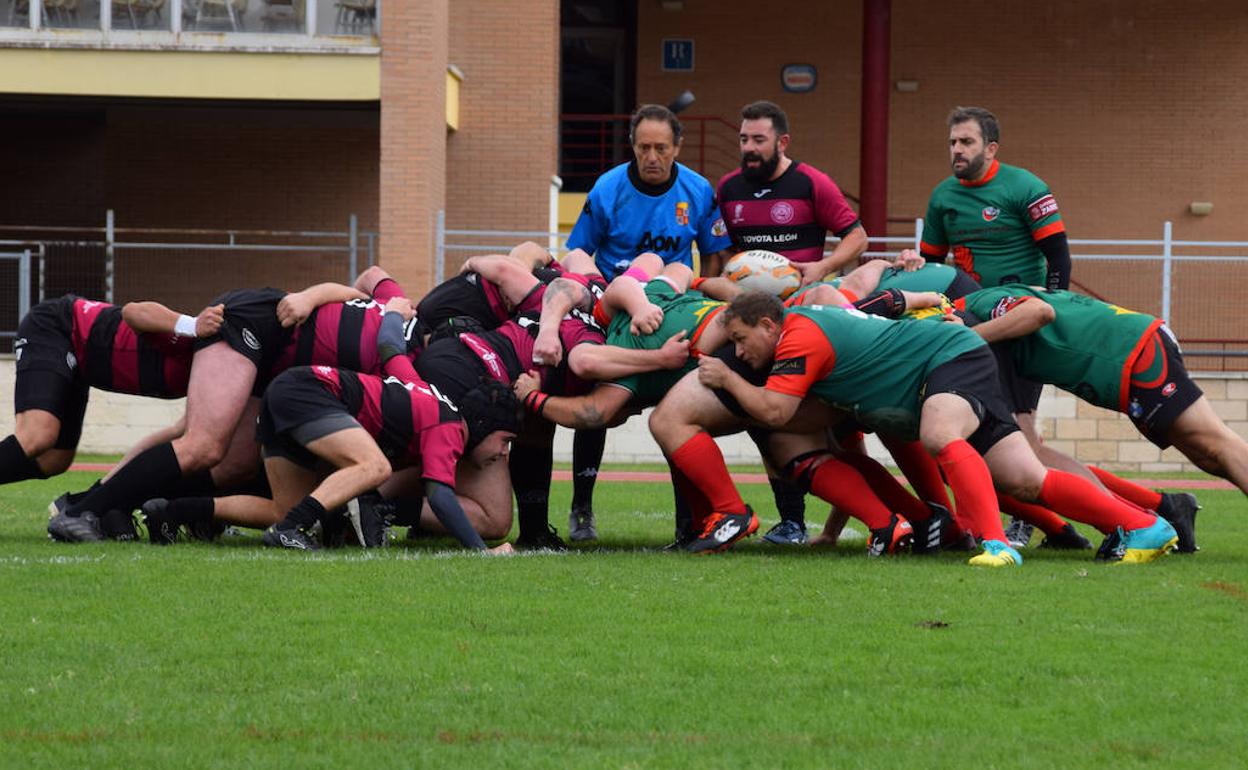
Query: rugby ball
x=766 y=271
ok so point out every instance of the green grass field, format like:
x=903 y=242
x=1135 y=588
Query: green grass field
x=125 y=655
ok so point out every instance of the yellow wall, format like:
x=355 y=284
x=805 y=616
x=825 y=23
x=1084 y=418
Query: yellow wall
x=570 y=205
x=190 y=74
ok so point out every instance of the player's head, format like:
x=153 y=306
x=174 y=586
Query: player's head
x=973 y=138
x=764 y=137
x=655 y=133
x=753 y=321
x=492 y=414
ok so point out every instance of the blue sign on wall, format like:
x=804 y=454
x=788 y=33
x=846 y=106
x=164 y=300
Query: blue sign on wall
x=678 y=55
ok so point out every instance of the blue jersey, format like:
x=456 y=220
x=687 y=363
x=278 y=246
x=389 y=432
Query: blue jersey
x=624 y=216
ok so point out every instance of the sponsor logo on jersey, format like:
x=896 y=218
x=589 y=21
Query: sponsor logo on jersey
x=737 y=214
x=658 y=243
x=250 y=339
x=87 y=304
x=719 y=229
x=782 y=212
x=71 y=360
x=1168 y=390
x=1135 y=410
x=789 y=366
x=18 y=346
x=682 y=213
x=1042 y=208
x=990 y=213
x=762 y=192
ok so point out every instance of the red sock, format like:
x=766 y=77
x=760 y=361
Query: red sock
x=1048 y=521
x=973 y=494
x=921 y=470
x=886 y=487
x=700 y=460
x=1128 y=490
x=844 y=487
x=1079 y=499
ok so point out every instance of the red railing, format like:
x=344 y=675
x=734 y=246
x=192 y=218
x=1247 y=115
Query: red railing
x=592 y=144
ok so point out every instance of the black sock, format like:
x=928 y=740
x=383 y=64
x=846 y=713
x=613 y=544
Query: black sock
x=305 y=513
x=790 y=500
x=191 y=510
x=684 y=514
x=149 y=475
x=530 y=466
x=74 y=497
x=198 y=484
x=15 y=465
x=587 y=448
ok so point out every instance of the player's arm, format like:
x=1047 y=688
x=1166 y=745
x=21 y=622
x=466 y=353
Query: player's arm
x=295 y=307
x=1056 y=250
x=445 y=505
x=853 y=244
x=933 y=244
x=155 y=318
x=767 y=406
x=392 y=341
x=865 y=278
x=717 y=287
x=561 y=297
x=531 y=255
x=367 y=281
x=711 y=265
x=594 y=410
x=514 y=280
x=1020 y=320
x=824 y=294
x=608 y=362
x=627 y=294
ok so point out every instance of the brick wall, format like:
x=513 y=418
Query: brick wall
x=1126 y=108
x=500 y=161
x=413 y=137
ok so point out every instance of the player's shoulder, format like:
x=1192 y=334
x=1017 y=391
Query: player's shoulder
x=947 y=185
x=610 y=181
x=1018 y=175
x=692 y=180
x=729 y=181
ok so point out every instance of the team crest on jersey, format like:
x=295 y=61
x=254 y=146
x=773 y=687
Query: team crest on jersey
x=1168 y=390
x=782 y=212
x=1004 y=305
x=737 y=211
x=719 y=229
x=682 y=213
x=990 y=213
x=250 y=339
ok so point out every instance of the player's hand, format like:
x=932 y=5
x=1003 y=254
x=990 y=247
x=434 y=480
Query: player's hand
x=916 y=300
x=812 y=272
x=467 y=267
x=675 y=351
x=909 y=260
x=500 y=550
x=209 y=320
x=712 y=372
x=547 y=350
x=294 y=308
x=954 y=318
x=525 y=384
x=647 y=322
x=402 y=306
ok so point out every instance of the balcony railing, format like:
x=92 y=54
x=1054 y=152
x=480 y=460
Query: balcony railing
x=191 y=24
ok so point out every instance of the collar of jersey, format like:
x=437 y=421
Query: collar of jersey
x=651 y=189
x=992 y=172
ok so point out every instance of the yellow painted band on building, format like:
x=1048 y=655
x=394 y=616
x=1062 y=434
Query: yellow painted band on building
x=570 y=205
x=191 y=74
x=453 y=78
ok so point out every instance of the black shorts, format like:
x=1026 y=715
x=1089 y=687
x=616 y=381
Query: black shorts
x=47 y=370
x=252 y=328
x=297 y=410
x=457 y=297
x=728 y=354
x=451 y=367
x=1154 y=406
x=1022 y=394
x=961 y=285
x=973 y=377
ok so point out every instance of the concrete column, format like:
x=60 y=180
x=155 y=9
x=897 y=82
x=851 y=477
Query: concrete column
x=413 y=137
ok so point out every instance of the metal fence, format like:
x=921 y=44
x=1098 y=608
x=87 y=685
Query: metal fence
x=183 y=268
x=1194 y=285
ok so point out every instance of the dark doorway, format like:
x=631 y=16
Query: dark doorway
x=597 y=85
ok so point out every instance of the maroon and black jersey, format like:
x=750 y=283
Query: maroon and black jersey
x=343 y=334
x=508 y=350
x=112 y=356
x=790 y=215
x=411 y=421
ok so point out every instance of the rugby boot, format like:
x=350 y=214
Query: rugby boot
x=1145 y=544
x=1179 y=508
x=1068 y=539
x=895 y=538
x=722 y=530
x=996 y=554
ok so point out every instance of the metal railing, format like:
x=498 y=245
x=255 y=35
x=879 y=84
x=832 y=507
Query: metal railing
x=591 y=144
x=17 y=265
x=1194 y=285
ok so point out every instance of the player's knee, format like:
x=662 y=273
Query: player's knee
x=197 y=453
x=37 y=440
x=375 y=470
x=56 y=461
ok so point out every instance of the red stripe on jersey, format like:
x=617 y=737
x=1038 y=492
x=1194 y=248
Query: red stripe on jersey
x=933 y=249
x=1040 y=233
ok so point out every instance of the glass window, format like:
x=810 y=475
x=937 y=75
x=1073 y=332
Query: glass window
x=15 y=13
x=140 y=14
x=281 y=17
x=71 y=14
x=346 y=17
